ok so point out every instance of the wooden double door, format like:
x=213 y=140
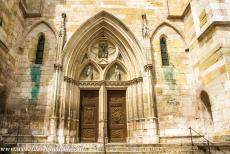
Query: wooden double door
x=89 y=114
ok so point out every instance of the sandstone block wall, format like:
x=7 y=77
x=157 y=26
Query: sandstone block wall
x=200 y=27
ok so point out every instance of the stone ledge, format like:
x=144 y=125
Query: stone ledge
x=26 y=13
x=210 y=27
x=182 y=15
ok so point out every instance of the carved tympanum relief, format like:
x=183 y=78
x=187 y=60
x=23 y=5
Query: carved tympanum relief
x=100 y=53
x=103 y=52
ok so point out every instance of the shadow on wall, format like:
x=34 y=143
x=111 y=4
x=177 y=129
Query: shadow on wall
x=206 y=101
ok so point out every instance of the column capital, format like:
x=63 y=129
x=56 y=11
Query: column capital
x=148 y=67
x=58 y=67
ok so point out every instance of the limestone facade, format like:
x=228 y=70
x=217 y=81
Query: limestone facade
x=107 y=45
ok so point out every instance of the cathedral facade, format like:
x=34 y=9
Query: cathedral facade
x=114 y=71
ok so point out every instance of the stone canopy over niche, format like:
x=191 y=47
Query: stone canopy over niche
x=90 y=73
x=116 y=73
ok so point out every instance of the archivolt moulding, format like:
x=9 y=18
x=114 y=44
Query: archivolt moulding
x=103 y=22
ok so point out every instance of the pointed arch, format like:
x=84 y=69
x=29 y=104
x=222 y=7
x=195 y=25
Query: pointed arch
x=103 y=22
x=111 y=64
x=168 y=25
x=89 y=62
x=206 y=101
x=164 y=51
x=40 y=49
x=37 y=24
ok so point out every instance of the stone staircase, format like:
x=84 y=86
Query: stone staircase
x=42 y=148
x=85 y=148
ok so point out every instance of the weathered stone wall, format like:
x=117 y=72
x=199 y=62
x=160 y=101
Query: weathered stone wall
x=200 y=26
x=176 y=110
x=35 y=81
x=176 y=7
x=10 y=32
x=208 y=58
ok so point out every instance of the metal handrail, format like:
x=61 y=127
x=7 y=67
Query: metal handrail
x=208 y=142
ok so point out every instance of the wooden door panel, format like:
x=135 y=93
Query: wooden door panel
x=89 y=116
x=116 y=116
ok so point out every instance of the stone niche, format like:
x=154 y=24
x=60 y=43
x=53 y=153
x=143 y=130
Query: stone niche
x=116 y=73
x=89 y=73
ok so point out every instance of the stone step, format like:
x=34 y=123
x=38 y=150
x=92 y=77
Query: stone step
x=41 y=148
x=215 y=148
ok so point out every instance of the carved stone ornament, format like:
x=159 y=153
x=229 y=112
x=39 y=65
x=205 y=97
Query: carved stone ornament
x=102 y=82
x=117 y=73
x=148 y=67
x=145 y=29
x=116 y=114
x=89 y=72
x=103 y=52
x=58 y=67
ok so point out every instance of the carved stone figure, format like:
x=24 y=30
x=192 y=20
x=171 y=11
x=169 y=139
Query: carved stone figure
x=89 y=73
x=117 y=73
x=103 y=50
x=145 y=29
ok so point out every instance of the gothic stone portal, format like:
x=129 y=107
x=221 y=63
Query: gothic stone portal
x=89 y=116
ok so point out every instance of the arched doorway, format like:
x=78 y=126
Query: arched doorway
x=103 y=93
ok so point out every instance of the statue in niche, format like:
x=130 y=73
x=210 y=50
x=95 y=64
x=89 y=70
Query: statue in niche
x=89 y=72
x=103 y=50
x=117 y=73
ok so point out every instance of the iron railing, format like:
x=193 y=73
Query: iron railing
x=209 y=143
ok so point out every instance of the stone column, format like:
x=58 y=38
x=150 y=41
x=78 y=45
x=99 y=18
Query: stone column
x=58 y=78
x=152 y=119
x=77 y=113
x=140 y=98
x=62 y=109
x=55 y=105
x=128 y=113
x=102 y=128
x=135 y=110
x=69 y=108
